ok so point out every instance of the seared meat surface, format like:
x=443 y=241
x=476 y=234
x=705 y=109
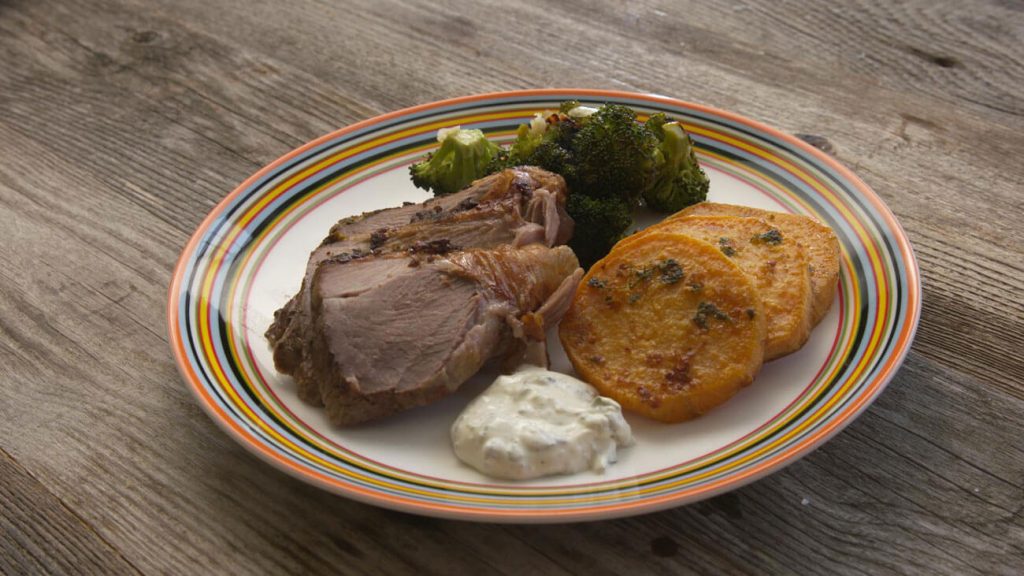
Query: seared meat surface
x=516 y=207
x=396 y=331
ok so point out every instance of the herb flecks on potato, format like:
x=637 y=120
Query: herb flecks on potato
x=777 y=266
x=666 y=325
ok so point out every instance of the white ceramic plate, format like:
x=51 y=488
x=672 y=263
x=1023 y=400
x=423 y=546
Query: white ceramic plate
x=248 y=257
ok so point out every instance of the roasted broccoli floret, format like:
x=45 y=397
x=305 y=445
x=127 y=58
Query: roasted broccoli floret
x=601 y=152
x=599 y=224
x=613 y=155
x=530 y=136
x=464 y=156
x=679 y=181
x=546 y=142
x=608 y=159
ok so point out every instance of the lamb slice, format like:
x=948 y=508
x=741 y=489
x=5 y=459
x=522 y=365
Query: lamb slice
x=520 y=182
x=367 y=222
x=528 y=216
x=536 y=195
x=486 y=225
x=354 y=235
x=397 y=331
x=487 y=213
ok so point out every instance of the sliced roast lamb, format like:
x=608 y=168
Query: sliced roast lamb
x=398 y=330
x=518 y=206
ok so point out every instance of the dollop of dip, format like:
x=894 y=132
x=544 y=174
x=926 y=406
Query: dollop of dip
x=536 y=423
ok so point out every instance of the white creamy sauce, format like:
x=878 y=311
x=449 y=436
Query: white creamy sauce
x=535 y=423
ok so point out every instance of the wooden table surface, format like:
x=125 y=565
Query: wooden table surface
x=123 y=122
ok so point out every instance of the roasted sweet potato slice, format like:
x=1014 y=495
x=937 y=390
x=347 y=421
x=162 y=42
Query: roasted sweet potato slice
x=666 y=325
x=775 y=262
x=818 y=240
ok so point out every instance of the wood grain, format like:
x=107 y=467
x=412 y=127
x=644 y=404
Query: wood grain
x=122 y=122
x=41 y=535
